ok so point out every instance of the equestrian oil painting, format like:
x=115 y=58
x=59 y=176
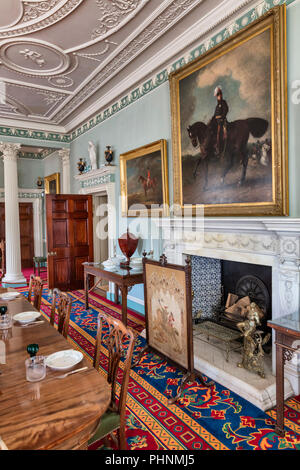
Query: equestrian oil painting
x=144 y=185
x=228 y=154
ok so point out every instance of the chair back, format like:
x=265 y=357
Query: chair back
x=61 y=304
x=2 y=259
x=120 y=342
x=35 y=289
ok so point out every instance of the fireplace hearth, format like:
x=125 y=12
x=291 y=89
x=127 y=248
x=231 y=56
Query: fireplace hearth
x=215 y=281
x=272 y=244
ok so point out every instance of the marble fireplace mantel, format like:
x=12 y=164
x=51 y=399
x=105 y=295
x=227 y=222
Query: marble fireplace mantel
x=95 y=180
x=271 y=242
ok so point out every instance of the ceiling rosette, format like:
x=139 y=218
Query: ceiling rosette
x=19 y=17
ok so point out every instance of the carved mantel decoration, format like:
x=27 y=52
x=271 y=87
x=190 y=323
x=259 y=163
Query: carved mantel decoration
x=269 y=242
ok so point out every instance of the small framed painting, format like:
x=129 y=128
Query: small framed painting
x=144 y=181
x=52 y=184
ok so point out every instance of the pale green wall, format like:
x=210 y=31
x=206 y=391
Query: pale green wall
x=52 y=164
x=30 y=169
x=145 y=121
x=28 y=172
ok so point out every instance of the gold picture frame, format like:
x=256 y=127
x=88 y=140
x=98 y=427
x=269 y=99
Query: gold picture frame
x=264 y=190
x=52 y=184
x=144 y=181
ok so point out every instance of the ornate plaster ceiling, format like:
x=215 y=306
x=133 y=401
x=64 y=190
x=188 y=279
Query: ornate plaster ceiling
x=58 y=57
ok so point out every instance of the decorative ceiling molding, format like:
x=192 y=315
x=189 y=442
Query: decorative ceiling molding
x=34 y=57
x=49 y=83
x=36 y=15
x=175 y=11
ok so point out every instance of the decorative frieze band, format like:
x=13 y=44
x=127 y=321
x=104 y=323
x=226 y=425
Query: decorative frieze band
x=33 y=134
x=26 y=193
x=100 y=180
x=104 y=175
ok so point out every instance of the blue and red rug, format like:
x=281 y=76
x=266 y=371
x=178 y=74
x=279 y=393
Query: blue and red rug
x=203 y=419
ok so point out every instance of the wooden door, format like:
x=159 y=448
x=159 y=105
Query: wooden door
x=2 y=221
x=69 y=239
x=26 y=232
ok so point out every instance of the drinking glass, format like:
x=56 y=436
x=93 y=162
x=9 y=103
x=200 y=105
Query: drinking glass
x=35 y=368
x=5 y=321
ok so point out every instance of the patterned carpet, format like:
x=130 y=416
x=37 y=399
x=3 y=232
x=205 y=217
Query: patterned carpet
x=203 y=419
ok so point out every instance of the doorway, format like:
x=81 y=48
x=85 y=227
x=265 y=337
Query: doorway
x=26 y=232
x=100 y=225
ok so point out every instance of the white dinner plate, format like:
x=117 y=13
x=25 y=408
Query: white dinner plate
x=136 y=260
x=9 y=295
x=63 y=360
x=26 y=317
x=110 y=268
x=108 y=261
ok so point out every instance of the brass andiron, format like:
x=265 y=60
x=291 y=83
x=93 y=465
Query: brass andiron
x=253 y=352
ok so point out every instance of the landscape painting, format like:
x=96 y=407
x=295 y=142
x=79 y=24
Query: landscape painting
x=228 y=154
x=144 y=185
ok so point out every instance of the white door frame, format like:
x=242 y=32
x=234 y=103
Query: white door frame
x=37 y=206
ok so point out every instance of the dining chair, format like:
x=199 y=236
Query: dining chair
x=61 y=304
x=120 y=342
x=2 y=259
x=35 y=289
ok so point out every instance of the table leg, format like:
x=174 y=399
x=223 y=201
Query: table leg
x=117 y=300
x=124 y=292
x=279 y=428
x=227 y=353
x=39 y=269
x=86 y=289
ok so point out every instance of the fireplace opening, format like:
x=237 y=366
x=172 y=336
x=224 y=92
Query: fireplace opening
x=223 y=289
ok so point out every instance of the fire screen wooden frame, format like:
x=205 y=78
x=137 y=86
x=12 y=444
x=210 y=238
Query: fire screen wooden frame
x=168 y=315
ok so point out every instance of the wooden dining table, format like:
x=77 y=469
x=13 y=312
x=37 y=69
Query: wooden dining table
x=60 y=414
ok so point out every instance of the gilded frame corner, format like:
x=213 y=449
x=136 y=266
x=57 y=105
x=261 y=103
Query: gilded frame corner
x=48 y=179
x=160 y=145
x=275 y=19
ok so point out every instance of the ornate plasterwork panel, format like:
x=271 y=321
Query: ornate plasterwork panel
x=60 y=52
x=40 y=44
x=58 y=57
x=19 y=17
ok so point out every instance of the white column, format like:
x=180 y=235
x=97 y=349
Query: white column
x=12 y=222
x=65 y=158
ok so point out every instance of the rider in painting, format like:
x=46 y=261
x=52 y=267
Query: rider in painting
x=220 y=120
